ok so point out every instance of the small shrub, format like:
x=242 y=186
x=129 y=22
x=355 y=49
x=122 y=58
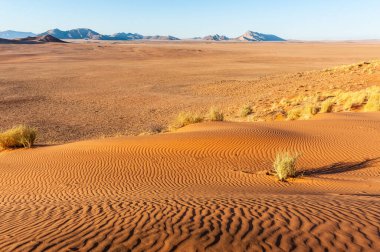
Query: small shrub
x=284 y=165
x=185 y=118
x=326 y=106
x=294 y=114
x=155 y=128
x=373 y=103
x=215 y=114
x=245 y=111
x=348 y=105
x=308 y=111
x=21 y=136
x=358 y=98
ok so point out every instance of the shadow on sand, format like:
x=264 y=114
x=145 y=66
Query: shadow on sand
x=341 y=167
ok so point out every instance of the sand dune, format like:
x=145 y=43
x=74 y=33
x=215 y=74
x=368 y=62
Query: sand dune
x=201 y=188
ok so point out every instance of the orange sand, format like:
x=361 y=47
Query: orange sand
x=201 y=188
x=74 y=92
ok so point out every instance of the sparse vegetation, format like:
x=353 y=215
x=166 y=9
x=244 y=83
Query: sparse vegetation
x=297 y=108
x=245 y=110
x=306 y=107
x=326 y=106
x=215 y=114
x=185 y=118
x=21 y=136
x=284 y=165
x=294 y=114
x=373 y=103
x=156 y=128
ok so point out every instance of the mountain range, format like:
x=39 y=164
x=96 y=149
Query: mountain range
x=216 y=37
x=32 y=40
x=15 y=34
x=83 y=33
x=88 y=34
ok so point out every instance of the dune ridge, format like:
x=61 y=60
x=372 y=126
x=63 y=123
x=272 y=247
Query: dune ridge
x=202 y=188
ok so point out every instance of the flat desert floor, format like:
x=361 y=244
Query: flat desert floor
x=204 y=187
x=82 y=91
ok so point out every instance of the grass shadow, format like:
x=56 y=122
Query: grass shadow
x=340 y=167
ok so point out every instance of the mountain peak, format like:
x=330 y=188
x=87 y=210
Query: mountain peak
x=216 y=37
x=9 y=34
x=252 y=36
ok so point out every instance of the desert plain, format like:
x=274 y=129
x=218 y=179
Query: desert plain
x=99 y=180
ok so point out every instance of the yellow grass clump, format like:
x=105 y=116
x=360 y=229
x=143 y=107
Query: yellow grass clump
x=284 y=165
x=306 y=107
x=373 y=103
x=303 y=112
x=185 y=118
x=21 y=136
x=326 y=106
x=245 y=110
x=215 y=114
x=294 y=114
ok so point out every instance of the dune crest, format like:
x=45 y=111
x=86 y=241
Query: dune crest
x=201 y=188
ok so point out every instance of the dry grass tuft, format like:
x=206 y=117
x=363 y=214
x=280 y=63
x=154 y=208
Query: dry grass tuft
x=294 y=114
x=327 y=105
x=21 y=136
x=246 y=110
x=304 y=112
x=185 y=118
x=215 y=114
x=156 y=128
x=373 y=103
x=306 y=107
x=284 y=165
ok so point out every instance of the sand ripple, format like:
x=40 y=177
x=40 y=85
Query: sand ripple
x=201 y=188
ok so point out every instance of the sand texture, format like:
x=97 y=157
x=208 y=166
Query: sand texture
x=84 y=91
x=202 y=188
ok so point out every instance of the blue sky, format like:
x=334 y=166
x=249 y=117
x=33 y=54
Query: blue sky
x=291 y=19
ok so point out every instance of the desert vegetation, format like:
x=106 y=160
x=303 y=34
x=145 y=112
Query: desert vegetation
x=245 y=110
x=284 y=165
x=185 y=118
x=20 y=136
x=297 y=108
x=305 y=107
x=215 y=114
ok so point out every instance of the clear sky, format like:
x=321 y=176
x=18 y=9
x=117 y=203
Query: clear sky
x=291 y=19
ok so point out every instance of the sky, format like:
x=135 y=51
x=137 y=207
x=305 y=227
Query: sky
x=290 y=19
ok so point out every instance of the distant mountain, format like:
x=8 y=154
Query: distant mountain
x=255 y=36
x=157 y=37
x=32 y=40
x=122 y=36
x=43 y=39
x=15 y=34
x=80 y=33
x=216 y=37
x=84 y=33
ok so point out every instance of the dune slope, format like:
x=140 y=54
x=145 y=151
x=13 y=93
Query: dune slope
x=201 y=188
